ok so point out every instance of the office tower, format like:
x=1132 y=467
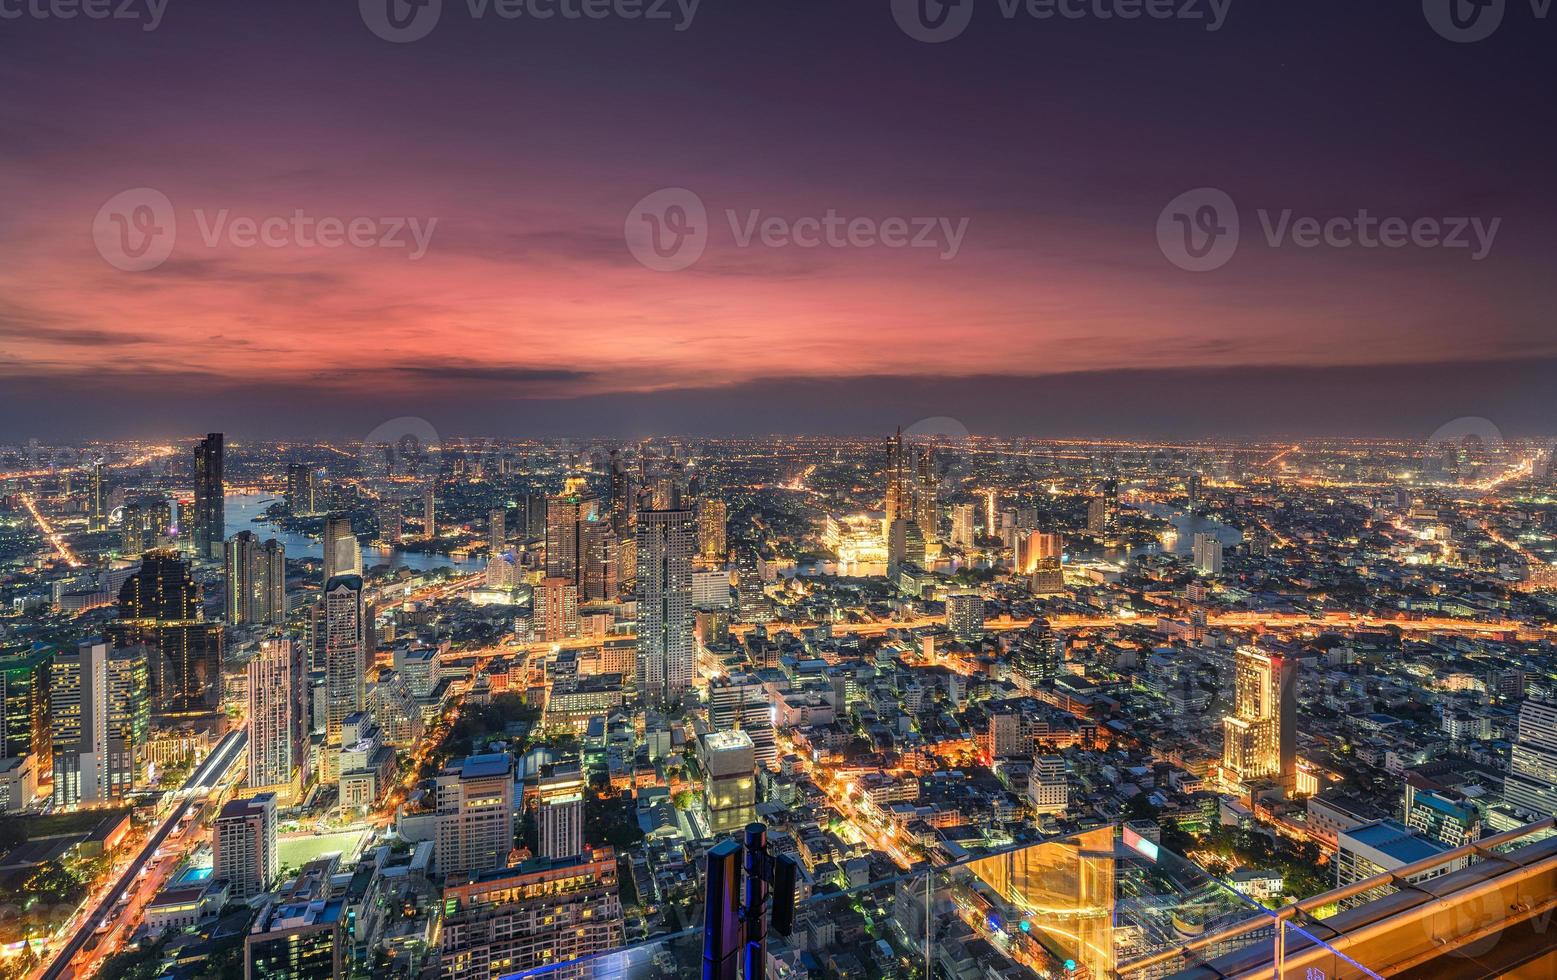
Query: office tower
x=430 y=511
x=963 y=534
x=1037 y=655
x=965 y=616
x=1260 y=736
x=600 y=562
x=729 y=761
x=256 y=580
x=1207 y=554
x=390 y=515
x=129 y=720
x=1035 y=547
x=927 y=497
x=475 y=814
x=24 y=708
x=301 y=940
x=210 y=499
x=623 y=506
x=534 y=505
x=278 y=749
x=568 y=520
x=559 y=816
x=1531 y=783
x=342 y=551
x=243 y=846
x=145 y=522
x=899 y=492
x=751 y=595
x=905 y=544
x=534 y=918
x=664 y=589
x=1097 y=515
x=712 y=519
x=1048 y=787
x=345 y=656
x=1192 y=489
x=559 y=609
x=78 y=714
x=301 y=489
x=98 y=519
x=741 y=702
x=497 y=535
x=1047 y=577
x=160 y=608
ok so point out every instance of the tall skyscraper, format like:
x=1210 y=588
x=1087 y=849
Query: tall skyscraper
x=905 y=543
x=665 y=540
x=713 y=518
x=256 y=580
x=391 y=522
x=497 y=534
x=899 y=494
x=962 y=534
x=729 y=761
x=278 y=750
x=160 y=608
x=927 y=496
x=24 y=708
x=210 y=497
x=243 y=846
x=345 y=657
x=430 y=511
x=78 y=713
x=145 y=521
x=1097 y=515
x=301 y=489
x=129 y=720
x=559 y=609
x=342 y=550
x=559 y=817
x=98 y=519
x=475 y=814
x=568 y=526
x=1207 y=553
x=965 y=616
x=1531 y=783
x=1260 y=736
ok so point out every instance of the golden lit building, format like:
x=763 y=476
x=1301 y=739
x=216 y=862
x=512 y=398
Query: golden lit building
x=1260 y=736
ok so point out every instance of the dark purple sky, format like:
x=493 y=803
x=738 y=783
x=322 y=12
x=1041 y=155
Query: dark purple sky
x=523 y=148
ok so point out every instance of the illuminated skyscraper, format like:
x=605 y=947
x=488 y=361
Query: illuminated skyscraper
x=963 y=517
x=78 y=713
x=905 y=543
x=342 y=551
x=430 y=511
x=278 y=750
x=712 y=519
x=497 y=534
x=145 y=521
x=1207 y=554
x=391 y=521
x=1097 y=515
x=559 y=608
x=1260 y=736
x=965 y=616
x=899 y=495
x=256 y=580
x=568 y=517
x=345 y=657
x=300 y=489
x=98 y=520
x=559 y=816
x=210 y=497
x=129 y=720
x=665 y=544
x=927 y=497
x=160 y=608
x=24 y=708
x=1531 y=783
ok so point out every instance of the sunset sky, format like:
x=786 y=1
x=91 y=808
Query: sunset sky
x=1058 y=142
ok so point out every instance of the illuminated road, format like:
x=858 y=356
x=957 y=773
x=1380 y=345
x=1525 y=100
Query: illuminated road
x=54 y=537
x=206 y=777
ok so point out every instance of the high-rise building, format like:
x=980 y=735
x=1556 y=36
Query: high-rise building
x=1207 y=553
x=905 y=544
x=965 y=616
x=129 y=720
x=664 y=590
x=210 y=497
x=159 y=608
x=144 y=524
x=963 y=534
x=430 y=511
x=1260 y=736
x=534 y=917
x=1440 y=814
x=24 y=708
x=559 y=609
x=298 y=940
x=740 y=701
x=475 y=814
x=751 y=594
x=97 y=520
x=1097 y=515
x=900 y=490
x=497 y=534
x=1531 y=783
x=278 y=749
x=713 y=517
x=256 y=580
x=345 y=657
x=391 y=522
x=601 y=562
x=301 y=489
x=927 y=496
x=1048 y=786
x=342 y=551
x=1047 y=577
x=729 y=761
x=568 y=520
x=78 y=714
x=243 y=846
x=559 y=815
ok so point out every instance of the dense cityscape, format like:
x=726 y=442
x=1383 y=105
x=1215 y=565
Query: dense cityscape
x=477 y=708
